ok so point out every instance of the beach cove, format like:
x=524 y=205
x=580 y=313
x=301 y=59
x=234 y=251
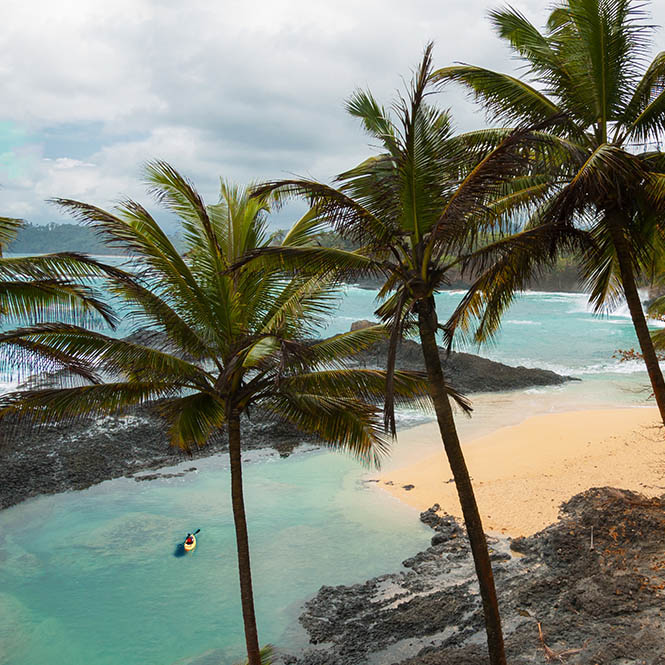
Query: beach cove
x=315 y=518
x=523 y=473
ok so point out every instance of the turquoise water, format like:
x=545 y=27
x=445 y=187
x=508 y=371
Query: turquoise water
x=74 y=590
x=554 y=331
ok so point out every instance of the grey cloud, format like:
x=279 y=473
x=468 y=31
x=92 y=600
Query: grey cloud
x=246 y=90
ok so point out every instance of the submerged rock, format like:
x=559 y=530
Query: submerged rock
x=601 y=605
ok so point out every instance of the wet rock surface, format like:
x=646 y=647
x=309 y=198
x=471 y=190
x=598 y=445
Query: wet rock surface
x=61 y=457
x=562 y=598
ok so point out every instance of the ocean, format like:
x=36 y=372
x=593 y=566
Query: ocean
x=90 y=576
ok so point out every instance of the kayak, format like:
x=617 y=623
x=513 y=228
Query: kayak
x=190 y=546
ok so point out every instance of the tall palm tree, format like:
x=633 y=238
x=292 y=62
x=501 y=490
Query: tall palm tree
x=588 y=71
x=416 y=207
x=50 y=287
x=226 y=340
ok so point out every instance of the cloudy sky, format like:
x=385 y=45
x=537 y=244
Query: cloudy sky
x=246 y=90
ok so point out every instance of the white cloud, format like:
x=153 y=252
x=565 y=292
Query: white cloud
x=250 y=89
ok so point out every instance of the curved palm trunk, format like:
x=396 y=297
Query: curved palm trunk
x=637 y=314
x=242 y=543
x=427 y=323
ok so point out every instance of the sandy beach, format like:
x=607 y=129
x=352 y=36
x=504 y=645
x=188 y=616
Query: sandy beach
x=522 y=473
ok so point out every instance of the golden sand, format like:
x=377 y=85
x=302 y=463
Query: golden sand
x=522 y=473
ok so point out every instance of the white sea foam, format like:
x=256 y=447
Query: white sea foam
x=621 y=311
x=8 y=386
x=526 y=322
x=561 y=295
x=612 y=367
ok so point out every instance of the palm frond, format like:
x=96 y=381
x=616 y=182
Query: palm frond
x=150 y=311
x=267 y=653
x=600 y=270
x=9 y=227
x=504 y=97
x=345 y=423
x=368 y=385
x=329 y=262
x=346 y=345
x=502 y=269
x=55 y=342
x=303 y=232
x=640 y=119
x=193 y=419
x=50 y=300
x=342 y=212
x=375 y=119
x=69 y=405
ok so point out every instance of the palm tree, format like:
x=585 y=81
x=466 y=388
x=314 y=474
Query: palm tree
x=50 y=287
x=226 y=340
x=417 y=208
x=587 y=72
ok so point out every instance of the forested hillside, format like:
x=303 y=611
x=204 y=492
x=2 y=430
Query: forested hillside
x=47 y=238
x=43 y=239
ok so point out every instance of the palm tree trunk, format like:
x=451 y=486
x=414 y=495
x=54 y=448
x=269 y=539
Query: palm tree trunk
x=242 y=543
x=637 y=314
x=427 y=323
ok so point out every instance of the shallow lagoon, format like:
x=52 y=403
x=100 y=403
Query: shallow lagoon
x=91 y=577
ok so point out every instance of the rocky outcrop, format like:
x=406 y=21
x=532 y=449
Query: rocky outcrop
x=564 y=597
x=466 y=372
x=66 y=456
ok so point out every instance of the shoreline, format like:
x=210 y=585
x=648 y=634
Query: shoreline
x=522 y=473
x=62 y=457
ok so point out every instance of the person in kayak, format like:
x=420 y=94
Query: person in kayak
x=190 y=539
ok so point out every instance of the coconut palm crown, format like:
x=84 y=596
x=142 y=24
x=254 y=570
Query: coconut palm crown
x=221 y=340
x=420 y=207
x=589 y=69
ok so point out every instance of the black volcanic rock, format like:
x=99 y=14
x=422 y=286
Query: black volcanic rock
x=600 y=605
x=466 y=372
x=62 y=456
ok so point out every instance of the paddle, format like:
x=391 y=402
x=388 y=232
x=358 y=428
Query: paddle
x=190 y=534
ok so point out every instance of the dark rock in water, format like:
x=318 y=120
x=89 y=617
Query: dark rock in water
x=465 y=372
x=61 y=457
x=602 y=605
x=154 y=476
x=363 y=323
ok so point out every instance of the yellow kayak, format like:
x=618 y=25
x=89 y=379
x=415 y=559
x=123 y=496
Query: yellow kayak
x=190 y=543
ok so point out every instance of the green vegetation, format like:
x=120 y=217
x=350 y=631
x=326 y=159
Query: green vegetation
x=562 y=275
x=573 y=181
x=602 y=111
x=236 y=338
x=53 y=287
x=36 y=239
x=48 y=238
